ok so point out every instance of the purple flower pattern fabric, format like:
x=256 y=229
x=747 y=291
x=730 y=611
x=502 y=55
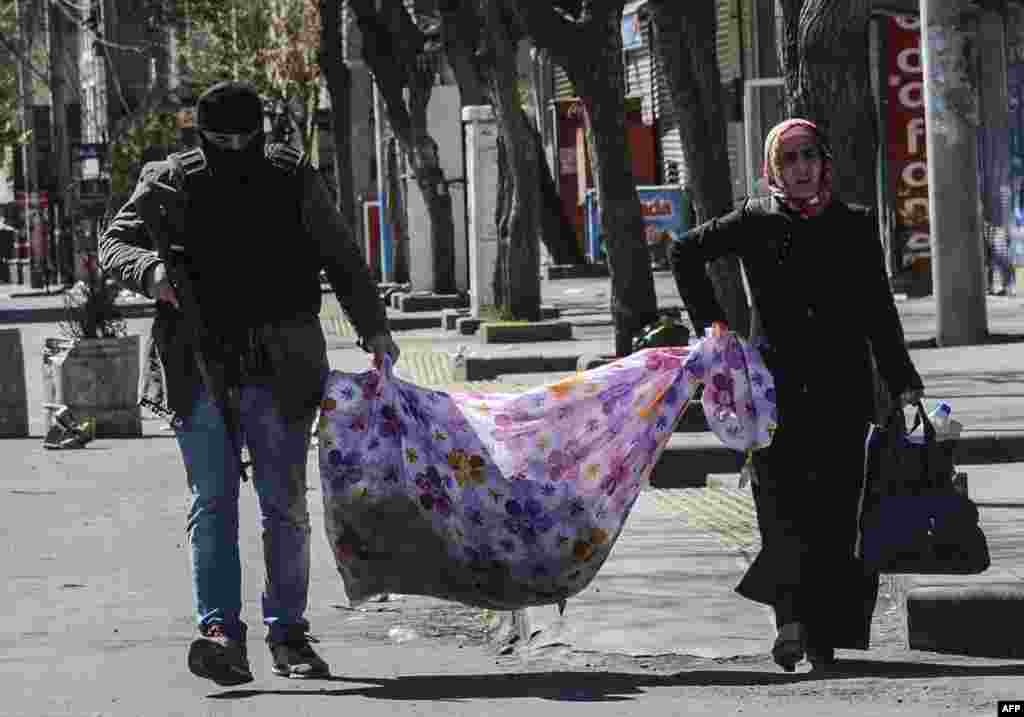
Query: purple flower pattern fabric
x=509 y=500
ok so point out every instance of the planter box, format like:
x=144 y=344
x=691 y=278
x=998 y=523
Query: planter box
x=13 y=395
x=502 y=333
x=95 y=378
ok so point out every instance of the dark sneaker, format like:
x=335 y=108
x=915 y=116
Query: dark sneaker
x=821 y=658
x=220 y=658
x=295 y=657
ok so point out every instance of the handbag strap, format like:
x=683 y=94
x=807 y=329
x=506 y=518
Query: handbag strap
x=921 y=419
x=897 y=432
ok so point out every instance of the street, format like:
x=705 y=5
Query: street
x=96 y=620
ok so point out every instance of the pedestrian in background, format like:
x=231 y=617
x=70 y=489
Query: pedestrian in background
x=251 y=227
x=819 y=328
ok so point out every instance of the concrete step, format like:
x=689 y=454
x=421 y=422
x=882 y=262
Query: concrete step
x=577 y=271
x=690 y=458
x=981 y=618
x=428 y=302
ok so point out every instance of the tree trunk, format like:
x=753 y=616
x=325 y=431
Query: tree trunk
x=789 y=49
x=393 y=48
x=831 y=80
x=460 y=32
x=339 y=85
x=502 y=213
x=520 y=234
x=685 y=41
x=590 y=50
x=825 y=61
x=396 y=204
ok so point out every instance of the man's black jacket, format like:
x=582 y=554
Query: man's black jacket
x=253 y=250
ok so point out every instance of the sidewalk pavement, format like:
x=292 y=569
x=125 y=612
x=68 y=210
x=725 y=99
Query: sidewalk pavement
x=985 y=384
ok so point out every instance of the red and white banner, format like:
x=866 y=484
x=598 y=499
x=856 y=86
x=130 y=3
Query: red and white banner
x=905 y=145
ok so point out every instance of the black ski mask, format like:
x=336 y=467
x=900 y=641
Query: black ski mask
x=229 y=117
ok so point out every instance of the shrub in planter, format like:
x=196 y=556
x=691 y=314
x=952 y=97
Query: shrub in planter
x=93 y=367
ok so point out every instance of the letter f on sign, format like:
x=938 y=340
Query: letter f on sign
x=915 y=136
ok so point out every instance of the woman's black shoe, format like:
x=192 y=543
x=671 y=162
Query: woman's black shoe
x=821 y=658
x=788 y=649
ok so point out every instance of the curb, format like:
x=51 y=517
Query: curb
x=981 y=447
x=689 y=459
x=51 y=314
x=979 y=618
x=412 y=323
x=487 y=368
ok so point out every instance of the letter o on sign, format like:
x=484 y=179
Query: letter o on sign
x=909 y=61
x=915 y=175
x=912 y=95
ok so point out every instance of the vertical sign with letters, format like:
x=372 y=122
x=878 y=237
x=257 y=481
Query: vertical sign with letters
x=907 y=158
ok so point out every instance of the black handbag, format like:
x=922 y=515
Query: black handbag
x=913 y=520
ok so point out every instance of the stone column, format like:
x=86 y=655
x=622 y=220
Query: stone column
x=362 y=134
x=949 y=42
x=421 y=237
x=481 y=132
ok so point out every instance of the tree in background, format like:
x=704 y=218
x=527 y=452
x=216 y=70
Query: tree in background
x=462 y=27
x=339 y=86
x=824 y=53
x=11 y=136
x=685 y=39
x=521 y=205
x=127 y=155
x=585 y=38
x=403 y=58
x=273 y=44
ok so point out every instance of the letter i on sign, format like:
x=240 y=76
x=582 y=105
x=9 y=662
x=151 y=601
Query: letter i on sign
x=1010 y=707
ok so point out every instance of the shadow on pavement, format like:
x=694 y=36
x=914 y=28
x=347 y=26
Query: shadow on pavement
x=613 y=686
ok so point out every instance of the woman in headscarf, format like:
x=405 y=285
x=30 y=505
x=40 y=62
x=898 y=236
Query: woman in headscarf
x=815 y=269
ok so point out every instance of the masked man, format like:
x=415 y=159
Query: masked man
x=230 y=238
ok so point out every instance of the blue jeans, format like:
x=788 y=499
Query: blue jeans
x=279 y=452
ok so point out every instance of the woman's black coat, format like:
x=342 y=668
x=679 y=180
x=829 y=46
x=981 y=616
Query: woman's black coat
x=824 y=305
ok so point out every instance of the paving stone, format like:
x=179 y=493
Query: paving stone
x=485 y=368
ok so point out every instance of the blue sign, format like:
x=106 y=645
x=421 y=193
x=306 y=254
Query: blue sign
x=663 y=211
x=632 y=37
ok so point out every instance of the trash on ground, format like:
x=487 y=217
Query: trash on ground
x=67 y=431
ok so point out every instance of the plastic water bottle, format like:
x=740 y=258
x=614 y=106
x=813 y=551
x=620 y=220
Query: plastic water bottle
x=940 y=418
x=946 y=429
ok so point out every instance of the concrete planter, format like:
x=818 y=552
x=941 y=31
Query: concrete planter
x=13 y=402
x=525 y=332
x=95 y=378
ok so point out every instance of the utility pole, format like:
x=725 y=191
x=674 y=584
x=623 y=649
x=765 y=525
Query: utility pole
x=63 y=212
x=949 y=44
x=23 y=21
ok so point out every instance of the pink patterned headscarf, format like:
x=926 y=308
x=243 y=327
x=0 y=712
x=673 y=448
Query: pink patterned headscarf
x=804 y=206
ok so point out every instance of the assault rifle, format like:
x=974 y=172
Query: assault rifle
x=163 y=206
